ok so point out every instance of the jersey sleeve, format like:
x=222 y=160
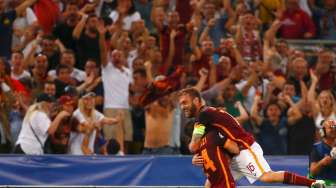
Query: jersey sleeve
x=314 y=156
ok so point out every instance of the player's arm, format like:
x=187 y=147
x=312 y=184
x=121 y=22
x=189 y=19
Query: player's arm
x=228 y=144
x=199 y=130
x=231 y=146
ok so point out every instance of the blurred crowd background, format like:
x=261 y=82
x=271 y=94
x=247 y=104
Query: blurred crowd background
x=269 y=63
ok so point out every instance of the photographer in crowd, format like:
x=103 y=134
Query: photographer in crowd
x=323 y=155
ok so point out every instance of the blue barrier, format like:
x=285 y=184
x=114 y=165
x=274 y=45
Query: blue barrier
x=111 y=170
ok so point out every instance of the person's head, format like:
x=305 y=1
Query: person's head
x=92 y=23
x=87 y=101
x=126 y=44
x=68 y=58
x=329 y=4
x=207 y=47
x=112 y=146
x=49 y=88
x=48 y=45
x=138 y=63
x=140 y=78
x=225 y=64
x=230 y=92
x=91 y=67
x=63 y=72
x=151 y=42
x=41 y=64
x=325 y=59
x=282 y=47
x=158 y=15
x=67 y=103
x=45 y=102
x=273 y=111
x=326 y=100
x=173 y=19
x=241 y=9
x=329 y=129
x=300 y=67
x=289 y=89
x=117 y=58
x=190 y=102
x=209 y=10
x=17 y=60
x=249 y=22
x=72 y=18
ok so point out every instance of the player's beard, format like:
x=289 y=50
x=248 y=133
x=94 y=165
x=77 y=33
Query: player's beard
x=191 y=112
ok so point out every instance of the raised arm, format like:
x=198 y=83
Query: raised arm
x=294 y=114
x=102 y=44
x=203 y=78
x=205 y=34
x=56 y=122
x=22 y=7
x=79 y=27
x=171 y=52
x=255 y=111
x=193 y=44
x=243 y=117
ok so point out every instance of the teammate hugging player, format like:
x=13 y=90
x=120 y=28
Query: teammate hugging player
x=250 y=161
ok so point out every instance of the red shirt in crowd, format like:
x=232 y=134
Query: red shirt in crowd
x=296 y=23
x=326 y=81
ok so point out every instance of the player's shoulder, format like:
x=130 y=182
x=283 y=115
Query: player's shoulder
x=207 y=109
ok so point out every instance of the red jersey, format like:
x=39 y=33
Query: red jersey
x=216 y=165
x=213 y=118
x=295 y=24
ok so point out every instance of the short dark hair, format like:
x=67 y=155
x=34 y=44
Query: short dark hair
x=18 y=52
x=68 y=51
x=49 y=82
x=60 y=67
x=194 y=93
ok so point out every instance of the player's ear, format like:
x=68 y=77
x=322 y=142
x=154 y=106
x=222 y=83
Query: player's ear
x=196 y=100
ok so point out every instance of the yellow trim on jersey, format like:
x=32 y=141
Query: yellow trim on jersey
x=244 y=143
x=223 y=168
x=199 y=129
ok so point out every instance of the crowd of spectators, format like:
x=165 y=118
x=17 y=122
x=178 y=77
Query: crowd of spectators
x=97 y=58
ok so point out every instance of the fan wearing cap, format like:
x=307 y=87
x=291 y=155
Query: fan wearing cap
x=82 y=142
x=37 y=126
x=60 y=140
x=322 y=162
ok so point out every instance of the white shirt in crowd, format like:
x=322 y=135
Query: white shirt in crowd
x=76 y=74
x=22 y=23
x=24 y=74
x=116 y=83
x=76 y=139
x=40 y=122
x=128 y=20
x=252 y=92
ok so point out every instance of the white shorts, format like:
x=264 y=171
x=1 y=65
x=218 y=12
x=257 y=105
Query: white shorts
x=249 y=163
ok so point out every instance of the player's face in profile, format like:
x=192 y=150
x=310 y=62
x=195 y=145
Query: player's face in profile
x=188 y=107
